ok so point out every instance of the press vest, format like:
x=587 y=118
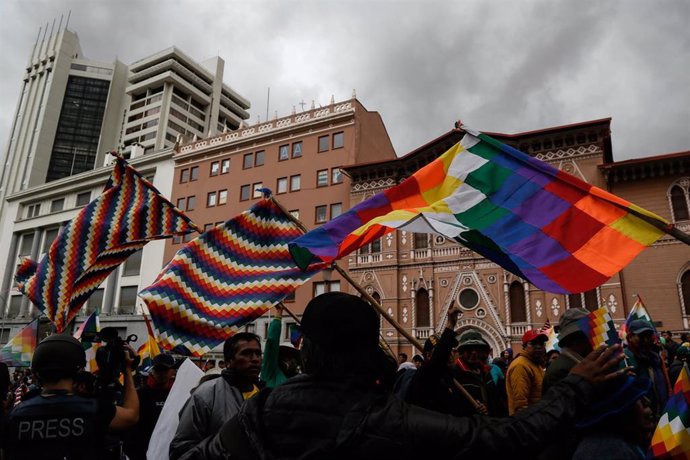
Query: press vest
x=60 y=426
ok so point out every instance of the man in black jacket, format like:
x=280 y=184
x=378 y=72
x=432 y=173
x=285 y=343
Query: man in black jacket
x=341 y=408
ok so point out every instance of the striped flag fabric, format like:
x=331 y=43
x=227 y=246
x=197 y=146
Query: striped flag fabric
x=598 y=326
x=532 y=219
x=295 y=335
x=224 y=279
x=149 y=349
x=20 y=349
x=87 y=333
x=552 y=342
x=129 y=213
x=671 y=439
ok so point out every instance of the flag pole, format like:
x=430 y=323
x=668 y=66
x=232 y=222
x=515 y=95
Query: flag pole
x=378 y=306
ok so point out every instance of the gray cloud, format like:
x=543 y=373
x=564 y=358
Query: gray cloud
x=497 y=65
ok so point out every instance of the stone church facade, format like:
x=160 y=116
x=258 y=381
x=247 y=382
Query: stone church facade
x=417 y=277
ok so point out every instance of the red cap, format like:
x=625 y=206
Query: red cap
x=532 y=334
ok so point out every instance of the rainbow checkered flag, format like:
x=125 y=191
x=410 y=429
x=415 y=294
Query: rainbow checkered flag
x=552 y=342
x=224 y=279
x=149 y=349
x=671 y=439
x=86 y=334
x=20 y=349
x=598 y=326
x=638 y=311
x=129 y=213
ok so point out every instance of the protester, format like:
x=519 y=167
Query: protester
x=574 y=345
x=472 y=372
x=671 y=346
x=58 y=423
x=619 y=426
x=215 y=401
x=417 y=360
x=432 y=385
x=152 y=397
x=402 y=358
x=682 y=358
x=643 y=356
x=525 y=373
x=84 y=384
x=551 y=356
x=340 y=407
x=279 y=362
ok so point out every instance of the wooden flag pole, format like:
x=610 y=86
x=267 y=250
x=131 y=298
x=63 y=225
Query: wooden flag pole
x=378 y=307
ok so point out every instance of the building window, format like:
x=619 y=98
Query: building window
x=336 y=210
x=15 y=306
x=208 y=227
x=294 y=213
x=191 y=203
x=321 y=287
x=422 y=316
x=83 y=198
x=259 y=158
x=336 y=176
x=338 y=140
x=211 y=199
x=48 y=239
x=323 y=143
x=194 y=173
x=518 y=310
x=245 y=191
x=321 y=214
x=215 y=168
x=57 y=205
x=176 y=239
x=297 y=149
x=295 y=183
x=574 y=301
x=421 y=240
x=27 y=244
x=469 y=299
x=181 y=203
x=248 y=161
x=132 y=265
x=283 y=152
x=33 y=210
x=322 y=178
x=184 y=176
x=257 y=190
x=187 y=237
x=376 y=246
x=685 y=291
x=95 y=301
x=225 y=166
x=679 y=203
x=591 y=300
x=222 y=197
x=282 y=185
x=128 y=300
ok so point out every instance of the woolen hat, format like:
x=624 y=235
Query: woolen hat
x=639 y=326
x=569 y=322
x=338 y=321
x=472 y=338
x=533 y=334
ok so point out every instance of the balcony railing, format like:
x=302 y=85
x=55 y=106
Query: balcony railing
x=422 y=332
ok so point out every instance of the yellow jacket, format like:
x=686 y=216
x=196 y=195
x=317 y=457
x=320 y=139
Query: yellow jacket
x=523 y=383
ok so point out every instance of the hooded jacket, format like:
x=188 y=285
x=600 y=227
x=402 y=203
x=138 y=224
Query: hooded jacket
x=308 y=418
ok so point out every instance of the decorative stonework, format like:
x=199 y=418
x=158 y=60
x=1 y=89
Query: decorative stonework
x=481 y=313
x=555 y=307
x=571 y=152
x=403 y=237
x=491 y=279
x=389 y=239
x=443 y=283
x=368 y=276
x=538 y=308
x=374 y=184
x=612 y=303
x=404 y=314
x=404 y=283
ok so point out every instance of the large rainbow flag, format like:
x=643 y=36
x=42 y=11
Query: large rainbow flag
x=598 y=326
x=224 y=279
x=87 y=332
x=534 y=220
x=20 y=349
x=671 y=439
x=129 y=213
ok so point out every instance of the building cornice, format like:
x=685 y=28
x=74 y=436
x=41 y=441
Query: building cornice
x=647 y=168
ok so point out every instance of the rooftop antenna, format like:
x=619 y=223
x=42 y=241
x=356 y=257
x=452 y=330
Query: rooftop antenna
x=302 y=104
x=69 y=14
x=268 y=98
x=60 y=24
x=52 y=27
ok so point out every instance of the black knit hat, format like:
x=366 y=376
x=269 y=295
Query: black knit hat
x=338 y=321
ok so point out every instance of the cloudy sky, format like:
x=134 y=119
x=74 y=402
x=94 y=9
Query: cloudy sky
x=502 y=66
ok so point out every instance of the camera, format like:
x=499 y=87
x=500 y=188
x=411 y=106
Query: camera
x=110 y=357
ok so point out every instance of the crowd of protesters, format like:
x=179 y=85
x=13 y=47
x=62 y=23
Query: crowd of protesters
x=343 y=396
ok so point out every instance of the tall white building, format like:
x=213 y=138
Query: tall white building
x=70 y=113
